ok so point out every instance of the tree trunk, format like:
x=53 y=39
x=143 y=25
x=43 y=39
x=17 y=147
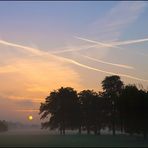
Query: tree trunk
x=144 y=135
x=95 y=130
x=63 y=131
x=60 y=129
x=99 y=133
x=88 y=130
x=113 y=120
x=60 y=132
x=63 y=128
x=98 y=130
x=121 y=122
x=79 y=129
x=114 y=133
x=121 y=128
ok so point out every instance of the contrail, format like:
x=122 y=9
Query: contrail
x=96 y=42
x=130 y=42
x=113 y=64
x=33 y=50
x=114 y=44
x=72 y=49
x=39 y=52
x=107 y=72
x=42 y=53
x=100 y=61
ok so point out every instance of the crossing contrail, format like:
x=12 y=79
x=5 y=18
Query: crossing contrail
x=104 y=62
x=97 y=42
x=115 y=45
x=109 y=63
x=100 y=44
x=47 y=54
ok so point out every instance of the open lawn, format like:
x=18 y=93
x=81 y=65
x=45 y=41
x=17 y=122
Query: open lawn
x=70 y=140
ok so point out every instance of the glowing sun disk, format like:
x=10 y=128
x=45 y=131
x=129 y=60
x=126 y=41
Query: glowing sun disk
x=30 y=117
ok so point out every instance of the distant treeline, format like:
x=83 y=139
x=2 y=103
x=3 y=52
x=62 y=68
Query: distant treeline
x=118 y=107
x=8 y=125
x=3 y=126
x=20 y=125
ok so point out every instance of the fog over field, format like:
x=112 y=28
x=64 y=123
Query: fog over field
x=28 y=131
x=37 y=137
x=39 y=131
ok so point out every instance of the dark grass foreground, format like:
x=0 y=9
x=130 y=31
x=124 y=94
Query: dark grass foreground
x=72 y=140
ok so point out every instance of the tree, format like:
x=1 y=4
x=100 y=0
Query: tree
x=90 y=111
x=112 y=87
x=143 y=112
x=134 y=106
x=3 y=126
x=62 y=106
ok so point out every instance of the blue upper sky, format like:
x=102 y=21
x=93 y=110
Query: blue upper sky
x=44 y=18
x=22 y=20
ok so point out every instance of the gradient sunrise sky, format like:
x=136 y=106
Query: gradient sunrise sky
x=46 y=45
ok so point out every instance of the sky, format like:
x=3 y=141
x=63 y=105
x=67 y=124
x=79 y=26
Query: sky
x=46 y=45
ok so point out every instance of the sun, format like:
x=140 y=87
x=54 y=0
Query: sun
x=30 y=117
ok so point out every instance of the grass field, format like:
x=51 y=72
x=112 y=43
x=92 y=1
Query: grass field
x=70 y=140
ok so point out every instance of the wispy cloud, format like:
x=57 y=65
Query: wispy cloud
x=113 y=23
x=27 y=110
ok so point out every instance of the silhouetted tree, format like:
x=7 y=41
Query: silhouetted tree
x=62 y=106
x=112 y=86
x=105 y=107
x=143 y=112
x=90 y=110
x=3 y=126
x=134 y=106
